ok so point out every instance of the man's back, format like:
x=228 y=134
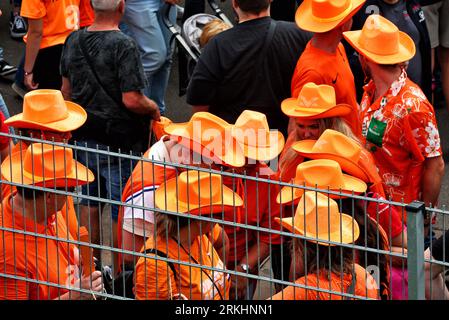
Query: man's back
x=234 y=73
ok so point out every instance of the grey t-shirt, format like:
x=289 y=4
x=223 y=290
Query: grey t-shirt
x=397 y=13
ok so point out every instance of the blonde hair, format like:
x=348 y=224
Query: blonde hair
x=336 y=123
x=211 y=29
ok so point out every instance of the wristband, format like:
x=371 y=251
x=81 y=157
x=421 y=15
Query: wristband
x=28 y=73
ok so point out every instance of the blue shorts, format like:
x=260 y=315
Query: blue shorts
x=111 y=174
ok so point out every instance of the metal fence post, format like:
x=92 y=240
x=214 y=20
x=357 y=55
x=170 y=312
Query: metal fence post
x=415 y=250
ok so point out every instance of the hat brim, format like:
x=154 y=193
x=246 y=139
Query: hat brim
x=348 y=232
x=265 y=153
x=166 y=199
x=305 y=147
x=305 y=20
x=231 y=155
x=12 y=171
x=290 y=108
x=406 y=50
x=76 y=118
x=352 y=185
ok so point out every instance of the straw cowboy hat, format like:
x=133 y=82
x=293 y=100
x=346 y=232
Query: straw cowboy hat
x=335 y=146
x=324 y=15
x=253 y=134
x=315 y=102
x=381 y=41
x=209 y=136
x=196 y=192
x=46 y=165
x=45 y=109
x=321 y=174
x=318 y=217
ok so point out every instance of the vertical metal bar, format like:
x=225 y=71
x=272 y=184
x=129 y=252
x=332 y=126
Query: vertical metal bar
x=415 y=253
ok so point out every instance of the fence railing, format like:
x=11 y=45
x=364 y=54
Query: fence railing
x=187 y=231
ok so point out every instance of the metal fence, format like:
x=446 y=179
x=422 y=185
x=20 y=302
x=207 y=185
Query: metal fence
x=179 y=250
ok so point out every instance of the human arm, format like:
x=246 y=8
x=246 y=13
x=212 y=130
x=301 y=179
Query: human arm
x=432 y=178
x=66 y=89
x=137 y=102
x=35 y=31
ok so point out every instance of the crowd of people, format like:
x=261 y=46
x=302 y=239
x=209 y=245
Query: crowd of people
x=292 y=122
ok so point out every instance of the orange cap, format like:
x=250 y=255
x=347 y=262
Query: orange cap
x=318 y=217
x=45 y=109
x=381 y=41
x=315 y=102
x=324 y=15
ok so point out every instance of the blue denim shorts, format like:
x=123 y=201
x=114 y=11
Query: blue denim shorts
x=111 y=174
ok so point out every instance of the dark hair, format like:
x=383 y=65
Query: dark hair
x=29 y=194
x=253 y=6
x=167 y=224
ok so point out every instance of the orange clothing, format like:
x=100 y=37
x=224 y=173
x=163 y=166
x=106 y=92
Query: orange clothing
x=87 y=15
x=60 y=18
x=35 y=258
x=153 y=278
x=400 y=131
x=337 y=284
x=321 y=67
x=255 y=212
x=68 y=210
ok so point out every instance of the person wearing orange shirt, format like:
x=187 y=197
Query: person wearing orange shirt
x=43 y=265
x=49 y=24
x=319 y=218
x=398 y=122
x=47 y=116
x=324 y=59
x=183 y=237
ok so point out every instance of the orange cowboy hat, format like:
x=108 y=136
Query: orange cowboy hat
x=45 y=109
x=196 y=192
x=381 y=41
x=209 y=136
x=315 y=102
x=325 y=15
x=255 y=137
x=317 y=216
x=338 y=147
x=321 y=174
x=46 y=165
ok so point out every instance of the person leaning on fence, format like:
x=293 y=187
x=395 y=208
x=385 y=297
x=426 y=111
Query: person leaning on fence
x=398 y=122
x=324 y=59
x=184 y=238
x=102 y=71
x=47 y=116
x=45 y=255
x=325 y=258
x=199 y=142
x=249 y=248
x=314 y=110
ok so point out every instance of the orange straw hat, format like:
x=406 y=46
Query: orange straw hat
x=45 y=109
x=196 y=192
x=317 y=216
x=209 y=136
x=335 y=146
x=315 y=102
x=46 y=165
x=257 y=140
x=324 y=15
x=381 y=41
x=321 y=174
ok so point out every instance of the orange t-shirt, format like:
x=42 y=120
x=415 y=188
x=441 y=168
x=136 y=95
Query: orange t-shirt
x=337 y=284
x=60 y=18
x=321 y=67
x=400 y=131
x=153 y=278
x=35 y=258
x=87 y=15
x=67 y=211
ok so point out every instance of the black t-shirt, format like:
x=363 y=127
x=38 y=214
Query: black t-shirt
x=231 y=75
x=117 y=63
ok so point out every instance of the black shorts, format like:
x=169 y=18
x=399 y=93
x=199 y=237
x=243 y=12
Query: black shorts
x=46 y=68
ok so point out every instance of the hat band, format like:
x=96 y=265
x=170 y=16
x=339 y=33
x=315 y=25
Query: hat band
x=338 y=17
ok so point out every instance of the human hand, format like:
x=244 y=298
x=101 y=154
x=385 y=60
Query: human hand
x=29 y=82
x=93 y=283
x=155 y=114
x=239 y=286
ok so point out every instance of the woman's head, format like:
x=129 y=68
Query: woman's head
x=312 y=129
